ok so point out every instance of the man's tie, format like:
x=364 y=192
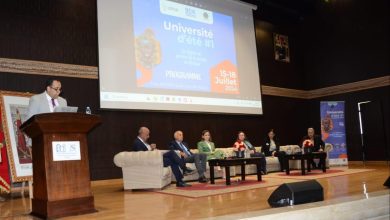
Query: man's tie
x=53 y=103
x=185 y=149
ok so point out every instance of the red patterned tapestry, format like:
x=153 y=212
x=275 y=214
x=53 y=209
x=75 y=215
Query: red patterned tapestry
x=4 y=171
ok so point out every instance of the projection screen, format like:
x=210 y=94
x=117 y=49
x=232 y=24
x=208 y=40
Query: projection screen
x=178 y=55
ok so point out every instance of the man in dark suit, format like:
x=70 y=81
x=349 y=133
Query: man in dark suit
x=318 y=144
x=316 y=139
x=170 y=158
x=189 y=157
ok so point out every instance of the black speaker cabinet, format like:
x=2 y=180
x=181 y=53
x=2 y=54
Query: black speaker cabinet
x=296 y=193
x=387 y=183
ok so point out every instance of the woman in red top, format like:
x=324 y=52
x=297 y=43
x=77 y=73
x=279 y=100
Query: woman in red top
x=242 y=144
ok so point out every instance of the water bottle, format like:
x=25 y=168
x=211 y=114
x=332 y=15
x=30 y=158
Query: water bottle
x=88 y=110
x=247 y=153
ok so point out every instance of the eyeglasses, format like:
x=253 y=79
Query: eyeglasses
x=57 y=89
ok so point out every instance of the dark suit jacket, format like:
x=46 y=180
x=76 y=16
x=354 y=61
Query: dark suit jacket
x=174 y=146
x=139 y=146
x=267 y=144
x=317 y=142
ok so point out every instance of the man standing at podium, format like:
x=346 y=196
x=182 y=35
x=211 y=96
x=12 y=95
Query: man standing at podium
x=48 y=100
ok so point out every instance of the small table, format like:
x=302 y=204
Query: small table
x=308 y=158
x=228 y=162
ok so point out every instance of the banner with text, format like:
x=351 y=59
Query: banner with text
x=333 y=131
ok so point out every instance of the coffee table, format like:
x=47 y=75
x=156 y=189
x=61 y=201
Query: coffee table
x=228 y=162
x=305 y=157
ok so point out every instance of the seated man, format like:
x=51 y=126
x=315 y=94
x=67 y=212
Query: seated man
x=318 y=145
x=189 y=157
x=170 y=158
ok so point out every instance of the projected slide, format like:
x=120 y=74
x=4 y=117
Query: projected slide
x=178 y=55
x=184 y=48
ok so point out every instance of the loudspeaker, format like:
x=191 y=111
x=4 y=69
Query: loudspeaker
x=387 y=183
x=296 y=193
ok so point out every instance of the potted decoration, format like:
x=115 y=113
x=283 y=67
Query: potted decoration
x=307 y=146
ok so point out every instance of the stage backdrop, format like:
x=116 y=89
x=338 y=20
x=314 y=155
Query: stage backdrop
x=333 y=131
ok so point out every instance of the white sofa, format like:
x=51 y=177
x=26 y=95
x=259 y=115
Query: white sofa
x=145 y=170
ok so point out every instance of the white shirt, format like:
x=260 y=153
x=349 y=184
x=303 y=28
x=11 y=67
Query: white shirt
x=146 y=144
x=208 y=144
x=51 y=104
x=272 y=146
x=185 y=150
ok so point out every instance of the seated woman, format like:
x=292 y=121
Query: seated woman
x=242 y=144
x=207 y=147
x=271 y=147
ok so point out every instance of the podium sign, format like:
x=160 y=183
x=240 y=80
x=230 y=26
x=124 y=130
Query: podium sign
x=66 y=150
x=60 y=163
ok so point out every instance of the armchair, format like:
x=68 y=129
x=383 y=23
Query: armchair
x=143 y=169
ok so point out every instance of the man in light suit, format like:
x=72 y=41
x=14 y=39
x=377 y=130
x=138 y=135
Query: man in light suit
x=170 y=158
x=48 y=100
x=189 y=157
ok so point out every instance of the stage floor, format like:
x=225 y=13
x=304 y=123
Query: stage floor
x=114 y=203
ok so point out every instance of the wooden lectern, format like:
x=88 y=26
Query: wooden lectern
x=60 y=163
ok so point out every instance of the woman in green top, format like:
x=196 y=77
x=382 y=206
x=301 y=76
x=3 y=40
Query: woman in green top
x=205 y=146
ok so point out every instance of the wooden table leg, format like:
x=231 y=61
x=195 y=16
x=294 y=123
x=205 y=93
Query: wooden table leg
x=259 y=172
x=227 y=171
x=212 y=178
x=287 y=162
x=243 y=172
